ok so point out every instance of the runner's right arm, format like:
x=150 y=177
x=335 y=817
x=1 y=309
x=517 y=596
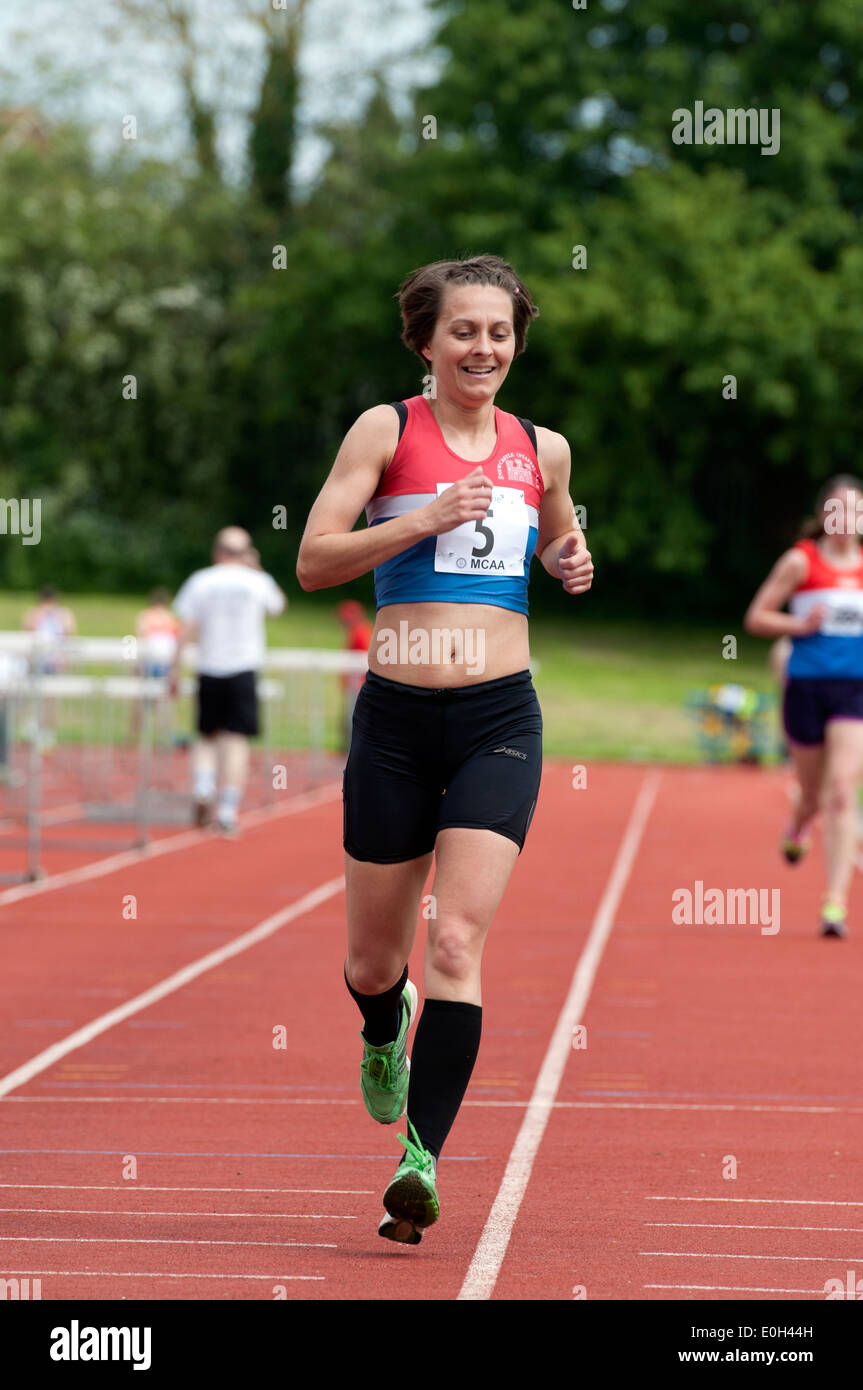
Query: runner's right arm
x=764 y=617
x=331 y=552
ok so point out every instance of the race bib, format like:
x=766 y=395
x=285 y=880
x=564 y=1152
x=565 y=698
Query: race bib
x=495 y=545
x=845 y=617
x=844 y=610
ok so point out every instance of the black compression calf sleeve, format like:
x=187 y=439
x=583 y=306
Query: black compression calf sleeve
x=442 y=1059
x=381 y=1014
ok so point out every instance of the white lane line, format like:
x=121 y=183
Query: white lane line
x=718 y=1255
x=114 y=1211
x=649 y=1105
x=734 y=1226
x=113 y=1187
x=764 y=1201
x=139 y=1240
x=82 y=1036
x=489 y=1254
x=173 y=1100
x=732 y=1288
x=99 y=868
x=302 y=801
x=485 y=1104
x=142 y=1274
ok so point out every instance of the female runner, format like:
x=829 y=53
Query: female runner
x=446 y=750
x=821 y=577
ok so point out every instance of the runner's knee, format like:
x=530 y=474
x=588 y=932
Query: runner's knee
x=372 y=974
x=840 y=793
x=455 y=950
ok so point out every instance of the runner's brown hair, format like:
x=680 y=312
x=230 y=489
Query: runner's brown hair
x=420 y=297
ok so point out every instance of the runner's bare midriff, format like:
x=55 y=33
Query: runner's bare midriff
x=448 y=644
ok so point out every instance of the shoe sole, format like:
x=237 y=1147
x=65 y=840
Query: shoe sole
x=411 y=990
x=402 y=1232
x=408 y=1199
x=828 y=929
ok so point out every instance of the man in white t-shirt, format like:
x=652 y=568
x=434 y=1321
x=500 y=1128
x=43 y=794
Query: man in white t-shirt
x=222 y=609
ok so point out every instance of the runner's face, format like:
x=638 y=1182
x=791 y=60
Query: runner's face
x=472 y=346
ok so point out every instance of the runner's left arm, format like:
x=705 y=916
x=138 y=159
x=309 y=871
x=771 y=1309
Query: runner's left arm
x=560 y=547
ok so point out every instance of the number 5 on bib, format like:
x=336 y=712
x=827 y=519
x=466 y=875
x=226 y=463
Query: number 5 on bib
x=497 y=544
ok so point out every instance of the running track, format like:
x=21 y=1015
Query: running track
x=258 y=1172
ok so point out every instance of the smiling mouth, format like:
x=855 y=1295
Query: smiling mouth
x=478 y=371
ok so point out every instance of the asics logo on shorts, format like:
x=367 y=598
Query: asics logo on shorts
x=513 y=753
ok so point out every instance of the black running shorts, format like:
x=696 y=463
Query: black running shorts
x=809 y=705
x=426 y=760
x=228 y=704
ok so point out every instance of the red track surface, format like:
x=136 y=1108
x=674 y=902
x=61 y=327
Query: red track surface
x=258 y=1167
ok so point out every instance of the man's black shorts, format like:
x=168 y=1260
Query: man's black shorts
x=228 y=704
x=424 y=760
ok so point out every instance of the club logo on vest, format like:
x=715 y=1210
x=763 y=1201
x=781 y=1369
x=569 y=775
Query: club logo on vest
x=516 y=468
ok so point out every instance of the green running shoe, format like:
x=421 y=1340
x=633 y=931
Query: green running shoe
x=411 y=1200
x=795 y=847
x=384 y=1071
x=834 y=920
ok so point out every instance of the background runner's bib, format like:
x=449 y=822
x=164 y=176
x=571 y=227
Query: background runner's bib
x=844 y=610
x=496 y=545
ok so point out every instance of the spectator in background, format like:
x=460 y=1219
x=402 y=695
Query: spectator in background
x=158 y=634
x=51 y=624
x=157 y=631
x=358 y=635
x=222 y=608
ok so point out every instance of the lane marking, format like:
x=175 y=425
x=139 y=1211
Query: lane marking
x=99 y=868
x=732 y=1288
x=765 y=1201
x=718 y=1255
x=233 y=1153
x=659 y=1105
x=336 y=1100
x=187 y=1085
x=112 y=1187
x=82 y=1036
x=488 y=1257
x=174 y=1100
x=114 y=1211
x=733 y=1226
x=142 y=1274
x=71 y=811
x=146 y=1240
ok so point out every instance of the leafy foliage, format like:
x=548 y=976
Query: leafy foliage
x=704 y=262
